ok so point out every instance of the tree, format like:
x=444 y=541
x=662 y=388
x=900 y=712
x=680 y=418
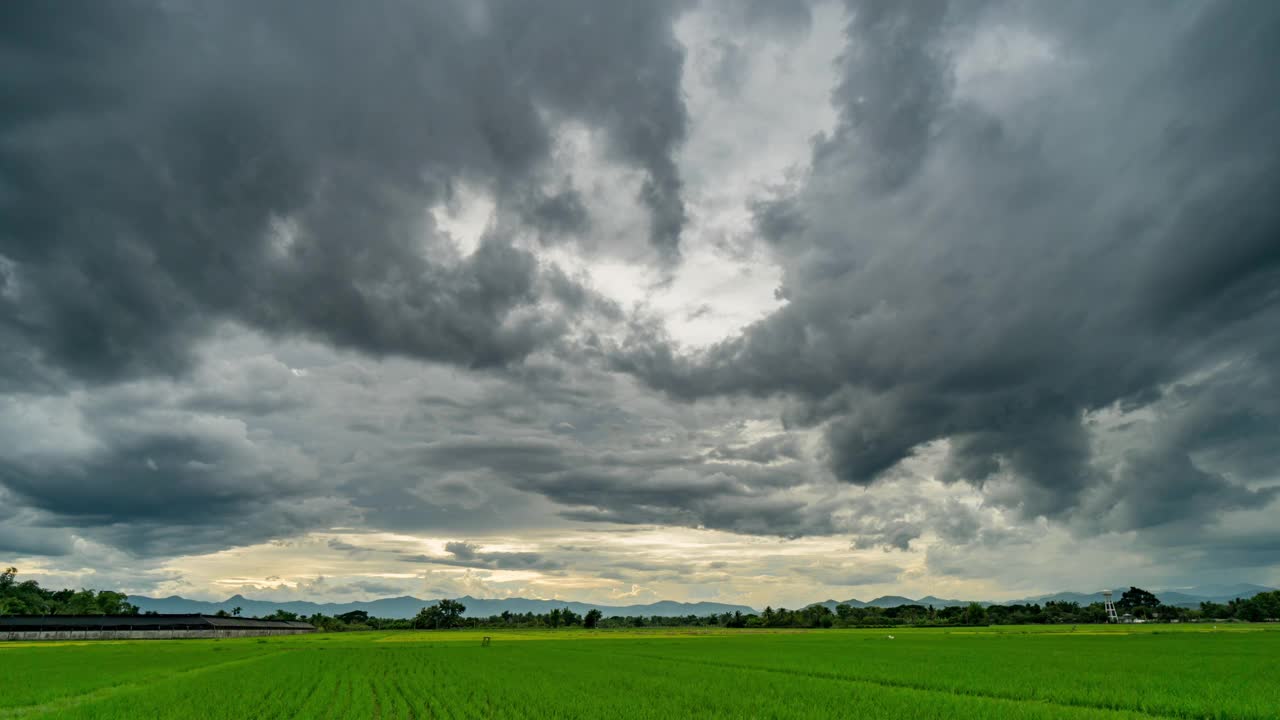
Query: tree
x=816 y=616
x=1061 y=611
x=1267 y=604
x=83 y=602
x=28 y=598
x=113 y=603
x=325 y=623
x=975 y=614
x=443 y=615
x=1134 y=598
x=8 y=603
x=1093 y=613
x=452 y=610
x=428 y=618
x=592 y=617
x=1214 y=610
x=236 y=611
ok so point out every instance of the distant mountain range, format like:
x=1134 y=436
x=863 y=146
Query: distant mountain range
x=407 y=606
x=1180 y=597
x=888 y=601
x=1190 y=597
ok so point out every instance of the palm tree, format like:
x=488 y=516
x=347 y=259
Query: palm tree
x=236 y=611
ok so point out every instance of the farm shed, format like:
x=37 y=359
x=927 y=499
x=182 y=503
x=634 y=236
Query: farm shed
x=142 y=627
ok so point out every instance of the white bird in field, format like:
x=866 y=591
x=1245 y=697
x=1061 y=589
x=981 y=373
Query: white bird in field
x=890 y=637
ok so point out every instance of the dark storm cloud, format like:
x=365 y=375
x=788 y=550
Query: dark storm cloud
x=1158 y=488
x=261 y=386
x=893 y=521
x=21 y=531
x=644 y=116
x=135 y=468
x=17 y=540
x=1230 y=420
x=556 y=216
x=1213 y=447
x=726 y=68
x=1253 y=548
x=187 y=489
x=337 y=544
x=469 y=555
x=759 y=514
x=192 y=470
x=766 y=450
x=646 y=486
x=990 y=260
x=164 y=166
x=895 y=82
x=785 y=17
x=1037 y=252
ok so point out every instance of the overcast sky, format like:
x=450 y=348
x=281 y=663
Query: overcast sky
x=742 y=300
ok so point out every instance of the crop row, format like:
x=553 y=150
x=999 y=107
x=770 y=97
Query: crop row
x=806 y=675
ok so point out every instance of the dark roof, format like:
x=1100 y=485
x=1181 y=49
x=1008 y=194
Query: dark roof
x=145 y=622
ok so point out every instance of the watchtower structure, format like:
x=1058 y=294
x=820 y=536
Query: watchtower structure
x=1110 y=607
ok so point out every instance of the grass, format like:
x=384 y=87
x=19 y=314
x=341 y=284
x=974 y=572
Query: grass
x=1093 y=672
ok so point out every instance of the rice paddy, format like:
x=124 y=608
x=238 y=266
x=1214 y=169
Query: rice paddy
x=1013 y=672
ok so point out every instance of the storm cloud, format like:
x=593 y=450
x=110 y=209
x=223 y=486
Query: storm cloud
x=469 y=555
x=177 y=164
x=699 y=299
x=1024 y=217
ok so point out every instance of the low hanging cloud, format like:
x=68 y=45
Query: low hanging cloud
x=469 y=555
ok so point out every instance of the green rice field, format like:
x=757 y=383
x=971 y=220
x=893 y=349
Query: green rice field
x=1190 y=671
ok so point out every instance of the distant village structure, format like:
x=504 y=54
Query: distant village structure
x=142 y=627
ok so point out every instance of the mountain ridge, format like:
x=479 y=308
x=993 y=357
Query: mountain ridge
x=406 y=606
x=1189 y=597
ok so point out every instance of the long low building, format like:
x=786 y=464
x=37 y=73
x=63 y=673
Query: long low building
x=142 y=627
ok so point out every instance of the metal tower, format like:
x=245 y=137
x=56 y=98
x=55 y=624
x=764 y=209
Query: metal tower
x=1110 y=607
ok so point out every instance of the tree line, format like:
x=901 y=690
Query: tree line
x=1135 y=602
x=28 y=598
